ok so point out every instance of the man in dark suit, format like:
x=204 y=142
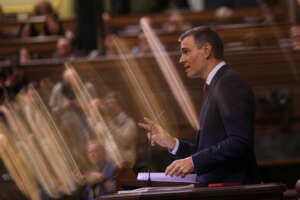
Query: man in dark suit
x=224 y=150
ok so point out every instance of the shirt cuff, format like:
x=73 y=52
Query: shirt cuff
x=174 y=150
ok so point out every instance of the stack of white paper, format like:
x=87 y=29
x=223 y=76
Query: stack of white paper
x=143 y=176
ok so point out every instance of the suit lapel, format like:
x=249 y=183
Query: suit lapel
x=207 y=100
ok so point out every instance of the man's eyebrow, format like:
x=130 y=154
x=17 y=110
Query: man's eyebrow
x=184 y=49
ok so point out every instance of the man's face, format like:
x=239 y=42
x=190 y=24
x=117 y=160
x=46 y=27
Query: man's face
x=53 y=26
x=193 y=58
x=96 y=153
x=63 y=48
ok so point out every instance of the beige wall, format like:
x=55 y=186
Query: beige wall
x=64 y=7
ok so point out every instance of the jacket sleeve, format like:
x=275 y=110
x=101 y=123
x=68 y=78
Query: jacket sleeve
x=235 y=104
x=185 y=149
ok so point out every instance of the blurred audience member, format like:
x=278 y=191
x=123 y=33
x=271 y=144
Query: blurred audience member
x=64 y=49
x=109 y=45
x=122 y=126
x=109 y=50
x=143 y=45
x=196 y=5
x=99 y=179
x=53 y=26
x=62 y=95
x=15 y=80
x=43 y=8
x=27 y=30
x=295 y=37
x=176 y=23
x=65 y=107
x=24 y=56
x=223 y=13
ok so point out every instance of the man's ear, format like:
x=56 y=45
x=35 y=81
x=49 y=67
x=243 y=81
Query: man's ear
x=207 y=50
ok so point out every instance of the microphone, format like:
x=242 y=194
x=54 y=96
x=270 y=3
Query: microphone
x=149 y=182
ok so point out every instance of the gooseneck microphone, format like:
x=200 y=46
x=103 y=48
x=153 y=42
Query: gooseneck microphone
x=149 y=182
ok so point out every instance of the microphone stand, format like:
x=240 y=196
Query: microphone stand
x=149 y=182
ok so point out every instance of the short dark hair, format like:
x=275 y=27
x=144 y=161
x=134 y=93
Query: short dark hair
x=204 y=35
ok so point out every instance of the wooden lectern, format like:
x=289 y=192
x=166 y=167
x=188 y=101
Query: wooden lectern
x=125 y=178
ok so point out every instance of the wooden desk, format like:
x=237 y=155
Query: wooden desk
x=12 y=26
x=245 y=192
x=45 y=46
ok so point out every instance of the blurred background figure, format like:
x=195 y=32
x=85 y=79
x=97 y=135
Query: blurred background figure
x=27 y=30
x=223 y=13
x=64 y=106
x=142 y=47
x=53 y=25
x=15 y=80
x=123 y=127
x=295 y=37
x=109 y=45
x=64 y=50
x=99 y=178
x=196 y=5
x=43 y=8
x=24 y=56
x=176 y=23
x=109 y=48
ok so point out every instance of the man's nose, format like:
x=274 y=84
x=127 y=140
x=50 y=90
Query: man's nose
x=181 y=60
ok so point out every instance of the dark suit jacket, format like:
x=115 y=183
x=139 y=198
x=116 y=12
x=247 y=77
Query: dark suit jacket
x=224 y=151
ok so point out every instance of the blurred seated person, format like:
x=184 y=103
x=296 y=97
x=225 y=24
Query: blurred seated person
x=64 y=50
x=175 y=23
x=295 y=37
x=65 y=107
x=143 y=45
x=43 y=8
x=27 y=30
x=109 y=47
x=24 y=56
x=53 y=26
x=62 y=95
x=123 y=127
x=223 y=13
x=15 y=80
x=99 y=179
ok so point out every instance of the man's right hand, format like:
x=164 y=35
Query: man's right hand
x=158 y=134
x=94 y=177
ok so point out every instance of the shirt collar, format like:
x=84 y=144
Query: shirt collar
x=214 y=71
